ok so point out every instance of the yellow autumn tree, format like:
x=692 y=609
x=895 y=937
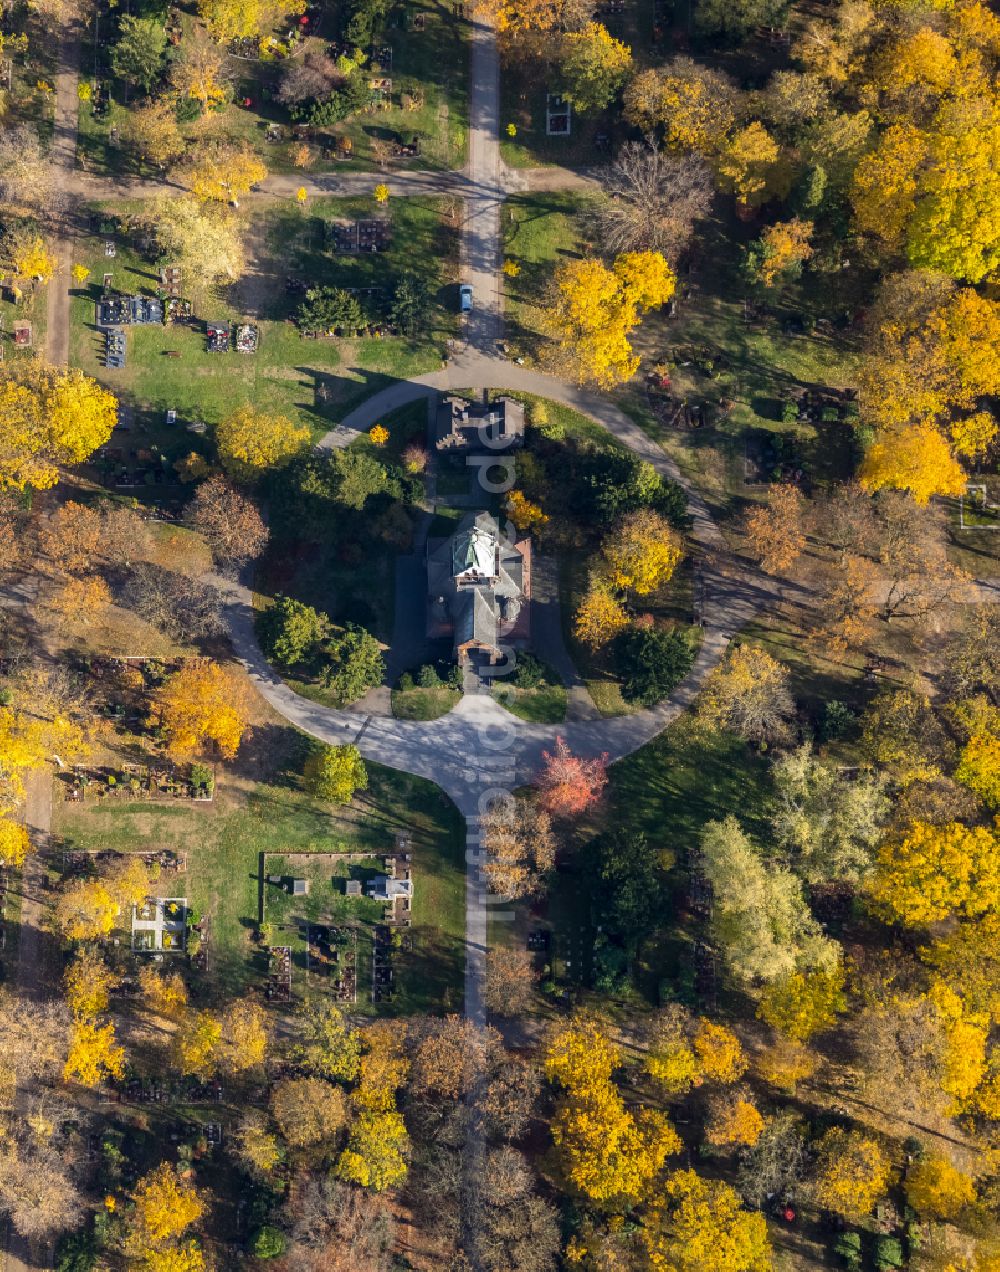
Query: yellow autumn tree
x=734 y=1121
x=22 y=749
x=781 y=249
x=196 y=1043
x=606 y=1152
x=973 y=435
x=186 y=1257
x=165 y=1206
x=15 y=843
x=594 y=67
x=884 y=187
x=934 y=872
x=245 y=1036
x=979 y=767
x=162 y=992
x=89 y=982
x=524 y=514
x=93 y=1053
x=915 y=458
x=853 y=1172
x=243 y=19
x=938 y=1190
x=955 y=225
x=203 y=704
x=696 y=1224
x=748 y=165
x=641 y=554
x=220 y=171
x=85 y=911
x=967 y=958
x=917 y=68
x=251 y=441
x=51 y=416
x=595 y=308
x=375 y=1154
x=30 y=259
x=719 y=1053
x=695 y=105
x=600 y=616
x=803 y=1003
x=198 y=72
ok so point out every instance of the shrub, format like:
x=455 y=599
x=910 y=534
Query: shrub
x=268 y=1243
x=847 y=1248
x=427 y=677
x=837 y=720
x=651 y=663
x=456 y=677
x=529 y=672
x=406 y=682
x=291 y=632
x=888 y=1253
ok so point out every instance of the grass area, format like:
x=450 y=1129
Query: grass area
x=224 y=842
x=428 y=68
x=424 y=704
x=743 y=355
x=312 y=381
x=564 y=421
x=539 y=232
x=444 y=521
x=685 y=777
x=524 y=86
x=544 y=705
x=673 y=604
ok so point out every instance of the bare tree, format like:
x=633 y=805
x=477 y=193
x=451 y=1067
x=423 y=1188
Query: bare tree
x=506 y=1104
x=25 y=170
x=509 y=981
x=511 y=1226
x=337 y=1228
x=36 y=1189
x=305 y=78
x=228 y=520
x=654 y=199
x=182 y=607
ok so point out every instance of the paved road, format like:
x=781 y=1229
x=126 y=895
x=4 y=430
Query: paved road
x=481 y=243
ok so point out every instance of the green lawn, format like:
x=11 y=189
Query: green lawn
x=423 y=704
x=312 y=381
x=539 y=232
x=544 y=705
x=429 y=73
x=671 y=603
x=224 y=842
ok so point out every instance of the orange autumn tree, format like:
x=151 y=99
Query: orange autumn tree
x=569 y=784
x=200 y=704
x=776 y=529
x=734 y=1120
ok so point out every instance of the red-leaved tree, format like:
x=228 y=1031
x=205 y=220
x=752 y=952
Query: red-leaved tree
x=568 y=784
